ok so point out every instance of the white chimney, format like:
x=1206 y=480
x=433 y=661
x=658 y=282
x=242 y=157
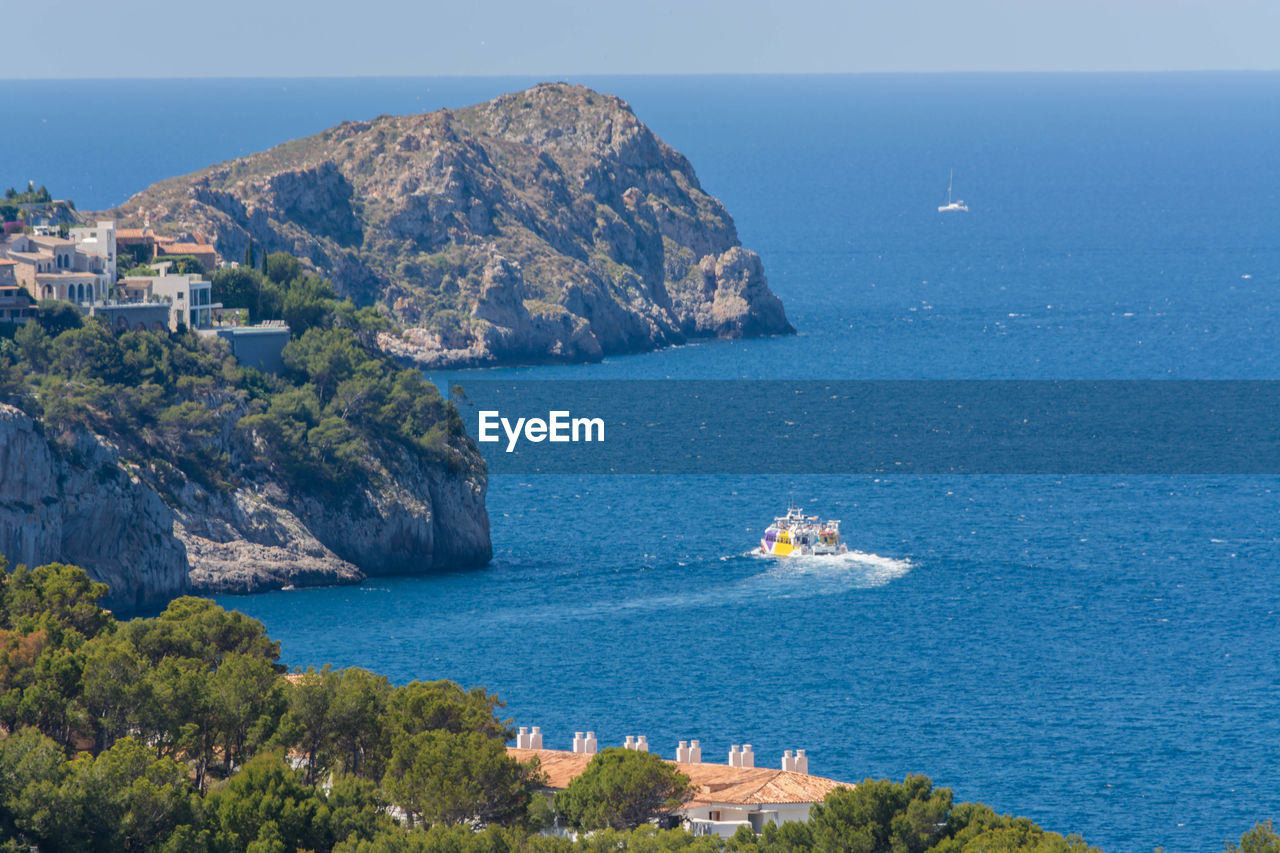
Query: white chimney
x=747 y=758
x=589 y=745
x=802 y=762
x=695 y=752
x=642 y=744
x=535 y=738
x=579 y=742
x=522 y=739
x=682 y=752
x=631 y=742
x=788 y=763
x=735 y=757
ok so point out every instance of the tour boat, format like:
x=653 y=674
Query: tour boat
x=798 y=535
x=952 y=205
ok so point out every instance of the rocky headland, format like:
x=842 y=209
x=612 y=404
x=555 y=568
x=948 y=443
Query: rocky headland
x=153 y=525
x=545 y=225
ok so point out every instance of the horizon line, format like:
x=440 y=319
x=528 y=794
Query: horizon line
x=560 y=76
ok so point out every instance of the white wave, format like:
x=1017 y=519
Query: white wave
x=855 y=568
x=794 y=577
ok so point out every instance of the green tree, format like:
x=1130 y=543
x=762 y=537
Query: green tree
x=422 y=706
x=358 y=712
x=309 y=303
x=622 y=789
x=125 y=799
x=28 y=759
x=32 y=346
x=282 y=267
x=880 y=816
x=57 y=316
x=1261 y=839
x=114 y=686
x=440 y=777
x=180 y=718
x=247 y=698
x=974 y=827
x=268 y=803
x=58 y=598
x=198 y=628
x=309 y=723
x=324 y=358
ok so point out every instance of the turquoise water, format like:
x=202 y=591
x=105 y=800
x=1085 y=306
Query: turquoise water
x=1098 y=653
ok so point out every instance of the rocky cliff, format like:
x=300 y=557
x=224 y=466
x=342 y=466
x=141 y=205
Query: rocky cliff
x=151 y=534
x=549 y=224
x=261 y=536
x=85 y=506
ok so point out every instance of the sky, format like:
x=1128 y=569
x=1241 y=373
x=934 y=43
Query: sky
x=323 y=38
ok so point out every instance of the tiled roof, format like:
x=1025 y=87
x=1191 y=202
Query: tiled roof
x=41 y=240
x=132 y=233
x=560 y=767
x=188 y=248
x=715 y=783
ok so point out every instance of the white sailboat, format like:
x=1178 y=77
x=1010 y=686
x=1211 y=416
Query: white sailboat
x=952 y=205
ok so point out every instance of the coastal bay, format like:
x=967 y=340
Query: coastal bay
x=1116 y=230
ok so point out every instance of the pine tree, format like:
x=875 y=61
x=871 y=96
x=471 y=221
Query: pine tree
x=248 y=255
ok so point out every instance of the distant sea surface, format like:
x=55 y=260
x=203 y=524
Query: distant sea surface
x=1101 y=654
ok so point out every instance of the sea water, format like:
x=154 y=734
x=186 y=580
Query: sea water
x=1098 y=653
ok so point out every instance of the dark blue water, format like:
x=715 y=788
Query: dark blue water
x=1100 y=654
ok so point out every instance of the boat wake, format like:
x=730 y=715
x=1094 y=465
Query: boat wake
x=782 y=578
x=853 y=568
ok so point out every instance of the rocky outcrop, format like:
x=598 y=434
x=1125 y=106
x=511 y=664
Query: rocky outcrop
x=410 y=517
x=549 y=224
x=151 y=534
x=83 y=505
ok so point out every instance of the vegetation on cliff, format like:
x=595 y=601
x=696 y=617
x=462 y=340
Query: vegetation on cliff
x=182 y=401
x=265 y=475
x=549 y=224
x=183 y=733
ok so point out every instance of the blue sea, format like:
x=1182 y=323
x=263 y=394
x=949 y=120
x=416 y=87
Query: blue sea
x=1099 y=653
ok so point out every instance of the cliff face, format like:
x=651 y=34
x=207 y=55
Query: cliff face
x=418 y=519
x=151 y=534
x=88 y=508
x=549 y=224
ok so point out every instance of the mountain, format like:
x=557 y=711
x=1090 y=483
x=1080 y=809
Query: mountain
x=545 y=225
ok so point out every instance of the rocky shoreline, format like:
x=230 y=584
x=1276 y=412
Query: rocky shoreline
x=77 y=501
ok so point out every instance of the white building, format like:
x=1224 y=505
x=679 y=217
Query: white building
x=190 y=297
x=726 y=796
x=99 y=243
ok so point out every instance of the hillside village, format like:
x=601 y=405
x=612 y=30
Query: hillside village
x=130 y=278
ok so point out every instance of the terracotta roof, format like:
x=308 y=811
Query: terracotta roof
x=132 y=233
x=560 y=767
x=7 y=262
x=756 y=785
x=41 y=240
x=715 y=783
x=188 y=248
